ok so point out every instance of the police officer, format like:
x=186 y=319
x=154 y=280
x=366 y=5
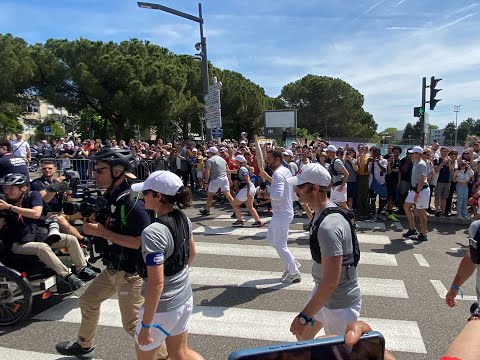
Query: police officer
x=119 y=226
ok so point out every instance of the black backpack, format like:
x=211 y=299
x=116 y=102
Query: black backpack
x=348 y=259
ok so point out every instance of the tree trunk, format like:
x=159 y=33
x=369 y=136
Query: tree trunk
x=184 y=124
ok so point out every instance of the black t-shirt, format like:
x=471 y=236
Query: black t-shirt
x=16 y=224
x=10 y=164
x=444 y=173
x=40 y=184
x=406 y=170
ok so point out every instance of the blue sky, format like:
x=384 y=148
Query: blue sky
x=383 y=48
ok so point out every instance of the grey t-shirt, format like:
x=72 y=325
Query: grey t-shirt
x=352 y=177
x=157 y=242
x=335 y=239
x=419 y=169
x=338 y=166
x=218 y=167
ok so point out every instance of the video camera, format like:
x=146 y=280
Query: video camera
x=87 y=200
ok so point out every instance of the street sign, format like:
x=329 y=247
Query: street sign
x=418 y=111
x=214 y=87
x=216 y=132
x=47 y=130
x=213 y=114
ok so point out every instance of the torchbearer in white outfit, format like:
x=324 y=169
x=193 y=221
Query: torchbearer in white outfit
x=281 y=195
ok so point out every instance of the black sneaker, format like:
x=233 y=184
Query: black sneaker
x=238 y=223
x=438 y=213
x=72 y=348
x=204 y=212
x=87 y=274
x=68 y=284
x=410 y=232
x=420 y=237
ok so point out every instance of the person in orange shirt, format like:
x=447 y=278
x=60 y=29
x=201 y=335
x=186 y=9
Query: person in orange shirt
x=362 y=182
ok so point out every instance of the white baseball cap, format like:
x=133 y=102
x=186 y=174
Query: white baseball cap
x=312 y=173
x=163 y=182
x=331 y=148
x=212 y=150
x=240 y=158
x=416 y=149
x=288 y=152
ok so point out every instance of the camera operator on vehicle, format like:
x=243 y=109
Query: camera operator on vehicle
x=26 y=231
x=116 y=234
x=53 y=199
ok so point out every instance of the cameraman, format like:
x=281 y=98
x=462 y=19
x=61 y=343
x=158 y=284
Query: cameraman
x=22 y=223
x=118 y=230
x=53 y=200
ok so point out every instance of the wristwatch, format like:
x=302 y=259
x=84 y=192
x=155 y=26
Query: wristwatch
x=304 y=319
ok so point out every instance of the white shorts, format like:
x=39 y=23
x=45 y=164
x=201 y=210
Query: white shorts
x=423 y=201
x=199 y=174
x=335 y=321
x=220 y=183
x=174 y=322
x=338 y=196
x=242 y=194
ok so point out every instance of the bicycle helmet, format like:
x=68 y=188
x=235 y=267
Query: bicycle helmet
x=13 y=179
x=114 y=157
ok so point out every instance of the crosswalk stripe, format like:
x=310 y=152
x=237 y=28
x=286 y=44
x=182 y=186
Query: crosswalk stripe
x=234 y=322
x=361 y=224
x=13 y=354
x=271 y=280
x=442 y=291
x=421 y=260
x=292 y=234
x=256 y=251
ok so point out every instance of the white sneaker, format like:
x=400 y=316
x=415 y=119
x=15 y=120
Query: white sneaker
x=285 y=273
x=292 y=279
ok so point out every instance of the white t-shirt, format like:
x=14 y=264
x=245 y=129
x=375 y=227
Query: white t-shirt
x=19 y=148
x=379 y=173
x=281 y=193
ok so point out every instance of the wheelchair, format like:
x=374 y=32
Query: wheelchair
x=22 y=278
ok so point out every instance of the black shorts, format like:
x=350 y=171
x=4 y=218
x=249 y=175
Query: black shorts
x=234 y=177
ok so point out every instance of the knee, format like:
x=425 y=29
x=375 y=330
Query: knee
x=42 y=248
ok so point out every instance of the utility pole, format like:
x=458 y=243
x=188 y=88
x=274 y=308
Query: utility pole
x=456 y=109
x=422 y=117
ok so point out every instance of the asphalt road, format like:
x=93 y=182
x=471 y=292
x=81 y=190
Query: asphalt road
x=239 y=301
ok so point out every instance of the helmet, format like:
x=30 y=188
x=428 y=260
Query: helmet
x=14 y=179
x=114 y=157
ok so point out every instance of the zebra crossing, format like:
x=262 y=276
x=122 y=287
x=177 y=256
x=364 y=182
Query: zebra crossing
x=246 y=321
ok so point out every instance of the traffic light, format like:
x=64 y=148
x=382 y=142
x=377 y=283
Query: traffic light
x=433 y=92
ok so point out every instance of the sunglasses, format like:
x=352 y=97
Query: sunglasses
x=100 y=170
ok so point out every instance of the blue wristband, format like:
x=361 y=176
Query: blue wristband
x=457 y=288
x=144 y=326
x=311 y=320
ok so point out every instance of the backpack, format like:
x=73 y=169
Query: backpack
x=348 y=259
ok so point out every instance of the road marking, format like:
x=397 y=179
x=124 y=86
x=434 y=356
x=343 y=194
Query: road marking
x=14 y=354
x=400 y=335
x=442 y=291
x=409 y=242
x=271 y=280
x=256 y=251
x=421 y=260
x=292 y=234
x=361 y=224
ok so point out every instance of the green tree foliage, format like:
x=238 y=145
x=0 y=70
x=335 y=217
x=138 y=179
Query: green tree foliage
x=92 y=126
x=449 y=132
x=57 y=129
x=17 y=69
x=388 y=131
x=132 y=82
x=9 y=126
x=412 y=132
x=243 y=104
x=329 y=106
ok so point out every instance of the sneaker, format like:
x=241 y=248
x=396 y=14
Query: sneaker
x=285 y=273
x=292 y=279
x=69 y=284
x=438 y=213
x=87 y=274
x=381 y=217
x=257 y=224
x=204 y=212
x=238 y=223
x=410 y=232
x=392 y=217
x=72 y=348
x=420 y=237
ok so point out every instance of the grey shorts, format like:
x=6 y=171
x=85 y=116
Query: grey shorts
x=442 y=190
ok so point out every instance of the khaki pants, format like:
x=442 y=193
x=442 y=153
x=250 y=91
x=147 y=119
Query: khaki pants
x=46 y=255
x=127 y=287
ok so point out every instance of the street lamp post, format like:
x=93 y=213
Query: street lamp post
x=456 y=109
x=203 y=41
